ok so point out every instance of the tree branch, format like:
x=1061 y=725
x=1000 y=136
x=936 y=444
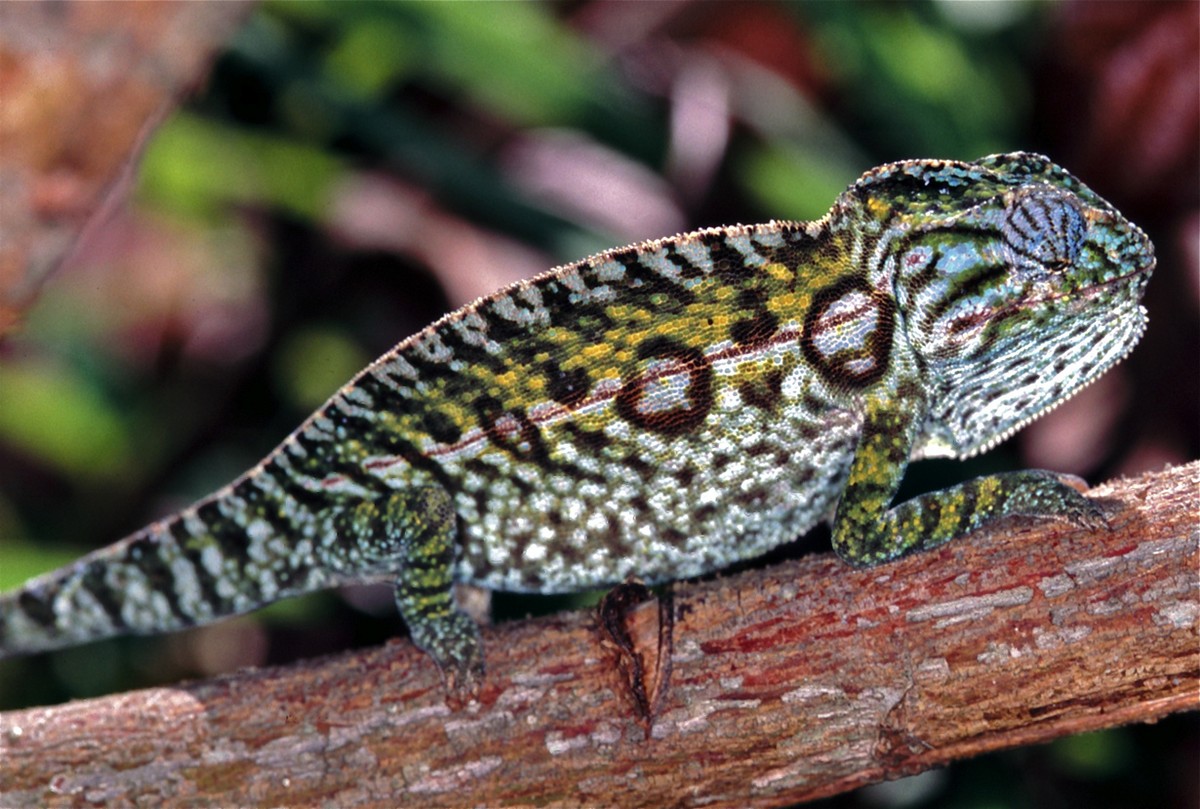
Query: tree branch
x=791 y=683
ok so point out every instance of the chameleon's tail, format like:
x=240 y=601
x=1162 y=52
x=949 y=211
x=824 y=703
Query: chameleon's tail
x=144 y=583
x=193 y=568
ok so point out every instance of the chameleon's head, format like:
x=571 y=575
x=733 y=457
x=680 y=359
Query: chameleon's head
x=1017 y=286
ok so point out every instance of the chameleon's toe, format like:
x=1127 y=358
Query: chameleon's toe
x=1080 y=510
x=452 y=640
x=458 y=650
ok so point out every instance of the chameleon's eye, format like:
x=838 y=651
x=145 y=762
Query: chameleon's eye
x=1045 y=228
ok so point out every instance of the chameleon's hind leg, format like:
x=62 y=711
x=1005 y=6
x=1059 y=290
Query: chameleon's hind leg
x=411 y=533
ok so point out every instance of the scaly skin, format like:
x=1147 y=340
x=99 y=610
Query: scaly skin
x=664 y=410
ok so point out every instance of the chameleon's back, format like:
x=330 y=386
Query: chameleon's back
x=649 y=411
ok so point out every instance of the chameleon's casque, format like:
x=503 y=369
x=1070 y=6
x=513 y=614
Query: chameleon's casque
x=663 y=410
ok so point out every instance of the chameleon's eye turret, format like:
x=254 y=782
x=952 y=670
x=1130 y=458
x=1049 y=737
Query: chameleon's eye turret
x=1043 y=228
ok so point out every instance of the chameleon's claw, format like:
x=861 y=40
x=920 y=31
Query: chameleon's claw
x=1078 y=509
x=453 y=642
x=1088 y=514
x=1074 y=481
x=463 y=677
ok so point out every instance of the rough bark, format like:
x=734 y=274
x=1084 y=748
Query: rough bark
x=790 y=683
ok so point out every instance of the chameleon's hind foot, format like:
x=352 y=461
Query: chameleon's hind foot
x=453 y=642
x=411 y=533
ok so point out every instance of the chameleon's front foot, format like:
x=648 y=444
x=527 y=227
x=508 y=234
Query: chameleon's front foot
x=867 y=532
x=929 y=520
x=1039 y=493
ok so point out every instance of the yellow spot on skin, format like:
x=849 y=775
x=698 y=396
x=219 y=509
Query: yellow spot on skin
x=596 y=352
x=561 y=337
x=631 y=338
x=948 y=520
x=985 y=500
x=789 y=306
x=627 y=314
x=458 y=415
x=780 y=273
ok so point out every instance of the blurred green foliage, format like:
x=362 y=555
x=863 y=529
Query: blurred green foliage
x=54 y=412
x=196 y=167
x=313 y=361
x=929 y=81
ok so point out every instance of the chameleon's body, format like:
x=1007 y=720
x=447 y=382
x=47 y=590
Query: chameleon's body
x=663 y=410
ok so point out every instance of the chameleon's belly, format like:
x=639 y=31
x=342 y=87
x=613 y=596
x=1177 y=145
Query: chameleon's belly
x=653 y=505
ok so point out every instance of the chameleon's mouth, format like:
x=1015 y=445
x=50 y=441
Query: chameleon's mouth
x=1138 y=276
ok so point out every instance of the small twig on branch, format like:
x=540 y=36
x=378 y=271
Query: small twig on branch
x=791 y=683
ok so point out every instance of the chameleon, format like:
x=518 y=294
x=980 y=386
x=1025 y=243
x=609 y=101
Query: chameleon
x=664 y=410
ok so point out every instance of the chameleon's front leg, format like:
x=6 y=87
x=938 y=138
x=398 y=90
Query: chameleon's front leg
x=411 y=534
x=867 y=532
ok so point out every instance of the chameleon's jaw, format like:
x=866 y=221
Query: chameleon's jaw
x=1133 y=333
